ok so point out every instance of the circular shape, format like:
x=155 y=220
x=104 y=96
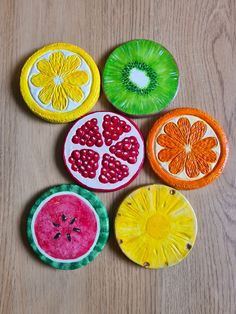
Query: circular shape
x=187 y=148
x=155 y=227
x=140 y=77
x=104 y=151
x=67 y=227
x=60 y=82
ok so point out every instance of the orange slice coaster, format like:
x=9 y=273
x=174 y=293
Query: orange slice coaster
x=187 y=148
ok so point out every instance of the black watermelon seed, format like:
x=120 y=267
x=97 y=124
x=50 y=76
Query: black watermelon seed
x=56 y=225
x=68 y=237
x=72 y=221
x=57 y=235
x=76 y=229
x=63 y=217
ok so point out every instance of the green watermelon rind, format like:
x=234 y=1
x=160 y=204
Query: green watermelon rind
x=103 y=219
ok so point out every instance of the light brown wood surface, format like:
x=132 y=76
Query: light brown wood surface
x=201 y=36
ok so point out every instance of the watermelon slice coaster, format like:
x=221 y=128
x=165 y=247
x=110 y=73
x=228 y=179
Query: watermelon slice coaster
x=68 y=227
x=104 y=151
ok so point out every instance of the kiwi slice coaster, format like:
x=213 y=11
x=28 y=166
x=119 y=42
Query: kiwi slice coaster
x=140 y=77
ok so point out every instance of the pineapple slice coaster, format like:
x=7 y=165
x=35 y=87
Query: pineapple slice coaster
x=156 y=226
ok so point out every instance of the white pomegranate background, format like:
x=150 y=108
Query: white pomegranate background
x=94 y=155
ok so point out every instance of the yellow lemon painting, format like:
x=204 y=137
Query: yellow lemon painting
x=156 y=226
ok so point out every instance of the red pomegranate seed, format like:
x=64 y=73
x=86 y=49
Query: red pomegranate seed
x=122 y=123
x=89 y=167
x=119 y=145
x=89 y=124
x=115 y=136
x=90 y=152
x=90 y=143
x=119 y=153
x=106 y=134
x=113 y=180
x=132 y=160
x=71 y=160
x=92 y=174
x=125 y=155
x=118 y=171
x=115 y=119
x=133 y=153
x=105 y=163
x=127 y=128
x=74 y=167
x=112 y=149
x=99 y=143
x=124 y=168
x=108 y=175
x=95 y=166
x=94 y=121
x=104 y=171
x=127 y=146
x=76 y=154
x=75 y=139
x=111 y=165
x=85 y=174
x=86 y=137
x=105 y=124
x=120 y=177
x=103 y=179
x=79 y=132
x=82 y=168
x=119 y=130
x=112 y=173
x=107 y=117
x=79 y=162
x=106 y=157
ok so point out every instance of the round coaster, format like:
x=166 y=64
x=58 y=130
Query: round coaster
x=187 y=148
x=155 y=226
x=104 y=151
x=60 y=82
x=140 y=77
x=68 y=227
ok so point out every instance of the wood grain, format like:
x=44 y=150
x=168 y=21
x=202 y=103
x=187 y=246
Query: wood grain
x=201 y=36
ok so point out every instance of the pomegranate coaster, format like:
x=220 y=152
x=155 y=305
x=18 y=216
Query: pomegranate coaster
x=187 y=148
x=67 y=227
x=155 y=226
x=104 y=151
x=60 y=82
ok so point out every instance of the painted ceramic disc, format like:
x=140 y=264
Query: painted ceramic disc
x=187 y=148
x=68 y=227
x=155 y=226
x=140 y=77
x=104 y=151
x=60 y=82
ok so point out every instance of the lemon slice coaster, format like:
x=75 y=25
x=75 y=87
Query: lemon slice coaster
x=156 y=226
x=60 y=82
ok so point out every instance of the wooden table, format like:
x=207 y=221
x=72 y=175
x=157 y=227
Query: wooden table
x=201 y=36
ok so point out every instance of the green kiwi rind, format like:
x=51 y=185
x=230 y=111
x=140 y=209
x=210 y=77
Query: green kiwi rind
x=103 y=220
x=160 y=68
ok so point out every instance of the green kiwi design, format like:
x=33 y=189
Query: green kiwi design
x=140 y=77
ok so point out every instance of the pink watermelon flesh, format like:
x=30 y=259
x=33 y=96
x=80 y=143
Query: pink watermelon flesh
x=65 y=227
